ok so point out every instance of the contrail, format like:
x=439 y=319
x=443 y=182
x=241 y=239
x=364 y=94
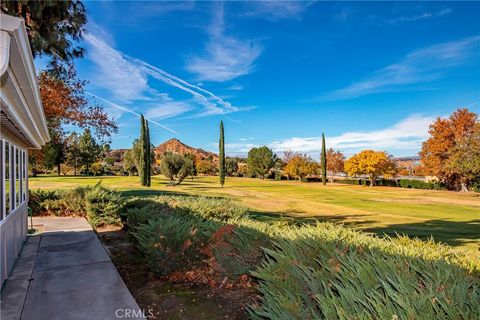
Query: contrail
x=181 y=84
x=130 y=111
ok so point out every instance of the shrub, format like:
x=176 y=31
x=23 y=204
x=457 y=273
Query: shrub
x=52 y=207
x=172 y=242
x=418 y=184
x=349 y=181
x=322 y=271
x=214 y=208
x=134 y=213
x=37 y=198
x=73 y=201
x=206 y=207
x=58 y=203
x=476 y=186
x=233 y=251
x=386 y=183
x=238 y=248
x=103 y=206
x=330 y=272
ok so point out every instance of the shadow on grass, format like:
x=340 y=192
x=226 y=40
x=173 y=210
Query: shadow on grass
x=150 y=193
x=293 y=218
x=454 y=233
x=144 y=193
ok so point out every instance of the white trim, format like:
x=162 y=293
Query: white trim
x=27 y=59
x=24 y=127
x=4 y=51
x=24 y=76
x=13 y=182
x=13 y=202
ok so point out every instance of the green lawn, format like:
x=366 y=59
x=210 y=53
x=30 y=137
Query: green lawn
x=449 y=217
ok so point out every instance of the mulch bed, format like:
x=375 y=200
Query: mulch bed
x=193 y=294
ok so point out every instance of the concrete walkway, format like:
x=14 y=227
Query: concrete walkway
x=65 y=273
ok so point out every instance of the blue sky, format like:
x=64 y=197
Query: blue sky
x=368 y=74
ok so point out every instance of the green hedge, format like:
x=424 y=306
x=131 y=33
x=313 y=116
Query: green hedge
x=99 y=204
x=475 y=186
x=103 y=206
x=207 y=207
x=357 y=182
x=330 y=272
x=418 y=184
x=404 y=183
x=172 y=242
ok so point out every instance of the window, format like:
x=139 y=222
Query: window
x=17 y=177
x=13 y=174
x=24 y=175
x=7 y=153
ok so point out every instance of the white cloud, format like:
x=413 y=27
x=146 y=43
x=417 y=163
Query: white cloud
x=127 y=79
x=407 y=134
x=167 y=109
x=114 y=72
x=235 y=87
x=129 y=110
x=212 y=103
x=422 y=16
x=421 y=66
x=277 y=10
x=239 y=147
x=226 y=57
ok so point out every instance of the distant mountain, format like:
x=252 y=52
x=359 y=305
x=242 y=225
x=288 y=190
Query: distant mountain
x=176 y=146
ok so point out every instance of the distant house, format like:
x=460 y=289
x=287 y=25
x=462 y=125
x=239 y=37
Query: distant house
x=408 y=165
x=23 y=126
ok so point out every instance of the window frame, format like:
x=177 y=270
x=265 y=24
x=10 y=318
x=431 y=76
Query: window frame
x=17 y=177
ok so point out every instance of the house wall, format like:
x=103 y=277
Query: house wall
x=13 y=200
x=23 y=126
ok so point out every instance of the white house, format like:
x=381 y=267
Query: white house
x=23 y=126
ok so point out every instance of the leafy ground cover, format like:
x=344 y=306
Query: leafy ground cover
x=304 y=271
x=450 y=217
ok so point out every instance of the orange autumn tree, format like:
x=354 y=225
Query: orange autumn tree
x=300 y=166
x=64 y=101
x=451 y=143
x=371 y=163
x=335 y=161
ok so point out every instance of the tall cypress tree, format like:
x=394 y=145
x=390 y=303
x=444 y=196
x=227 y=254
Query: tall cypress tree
x=324 y=161
x=143 y=165
x=148 y=156
x=221 y=155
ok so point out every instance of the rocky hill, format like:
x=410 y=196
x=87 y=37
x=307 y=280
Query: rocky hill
x=176 y=146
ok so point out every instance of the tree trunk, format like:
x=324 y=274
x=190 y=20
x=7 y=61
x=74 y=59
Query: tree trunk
x=58 y=169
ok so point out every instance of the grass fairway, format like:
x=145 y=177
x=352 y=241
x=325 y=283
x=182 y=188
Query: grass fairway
x=450 y=217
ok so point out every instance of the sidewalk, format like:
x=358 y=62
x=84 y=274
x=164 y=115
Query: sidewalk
x=65 y=273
